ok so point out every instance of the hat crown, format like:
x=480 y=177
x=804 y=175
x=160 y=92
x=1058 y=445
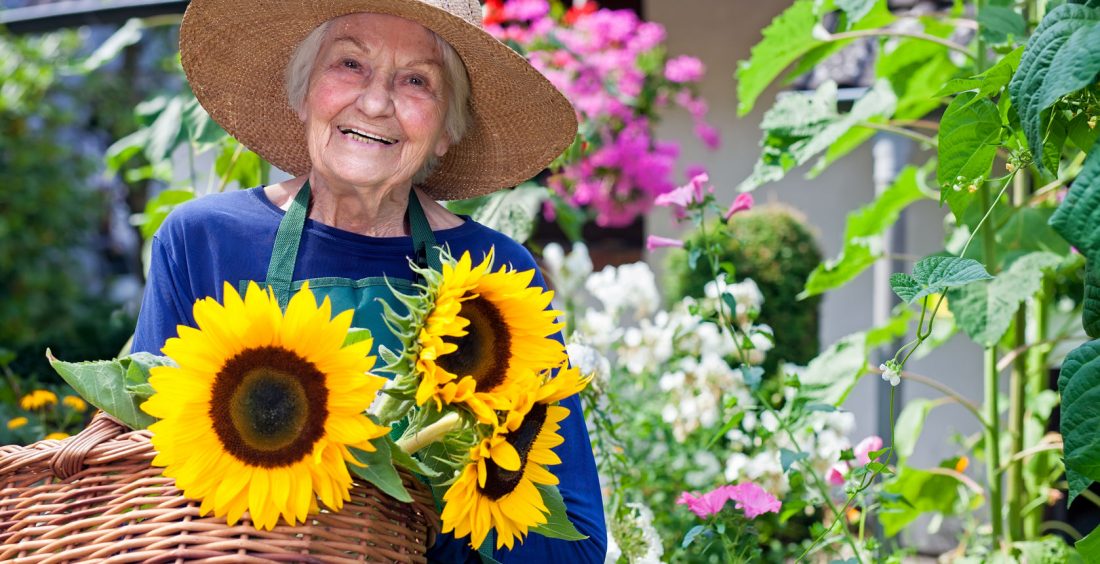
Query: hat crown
x=469 y=10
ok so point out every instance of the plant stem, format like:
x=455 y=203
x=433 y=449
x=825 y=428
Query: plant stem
x=947 y=391
x=992 y=384
x=1037 y=375
x=429 y=434
x=909 y=134
x=1017 y=394
x=897 y=33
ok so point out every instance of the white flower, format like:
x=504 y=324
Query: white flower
x=651 y=541
x=626 y=286
x=588 y=360
x=890 y=372
x=613 y=551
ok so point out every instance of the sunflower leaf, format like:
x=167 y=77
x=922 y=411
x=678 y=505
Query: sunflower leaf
x=407 y=461
x=357 y=335
x=379 y=470
x=558 y=525
x=106 y=384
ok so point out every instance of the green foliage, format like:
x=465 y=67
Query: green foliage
x=801 y=126
x=922 y=492
x=118 y=387
x=969 y=135
x=378 y=469
x=1061 y=58
x=512 y=212
x=909 y=425
x=1091 y=307
x=558 y=525
x=1079 y=386
x=986 y=309
x=861 y=227
x=934 y=274
x=772 y=246
x=786 y=39
x=1089 y=547
x=1079 y=214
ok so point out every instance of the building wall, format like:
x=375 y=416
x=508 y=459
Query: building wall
x=722 y=33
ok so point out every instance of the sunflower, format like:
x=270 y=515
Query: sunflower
x=487 y=334
x=260 y=411
x=498 y=488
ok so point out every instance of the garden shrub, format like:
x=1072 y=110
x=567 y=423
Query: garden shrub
x=773 y=246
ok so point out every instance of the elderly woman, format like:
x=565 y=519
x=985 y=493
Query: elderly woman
x=380 y=107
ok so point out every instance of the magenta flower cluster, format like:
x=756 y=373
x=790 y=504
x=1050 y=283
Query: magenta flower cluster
x=747 y=496
x=611 y=66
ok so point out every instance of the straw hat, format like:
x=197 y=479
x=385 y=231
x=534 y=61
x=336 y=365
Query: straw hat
x=235 y=53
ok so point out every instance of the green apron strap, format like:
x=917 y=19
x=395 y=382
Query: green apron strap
x=427 y=253
x=280 y=271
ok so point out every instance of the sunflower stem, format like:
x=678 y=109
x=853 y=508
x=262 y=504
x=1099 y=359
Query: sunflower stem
x=430 y=434
x=389 y=409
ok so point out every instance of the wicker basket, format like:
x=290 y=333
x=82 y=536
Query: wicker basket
x=95 y=498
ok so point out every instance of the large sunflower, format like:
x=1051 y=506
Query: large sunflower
x=487 y=335
x=260 y=411
x=497 y=489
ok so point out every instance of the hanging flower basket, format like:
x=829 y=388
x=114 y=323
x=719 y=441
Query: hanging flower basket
x=96 y=496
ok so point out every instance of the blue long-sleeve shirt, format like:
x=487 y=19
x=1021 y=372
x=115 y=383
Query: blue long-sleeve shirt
x=229 y=237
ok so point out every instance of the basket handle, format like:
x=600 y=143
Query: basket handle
x=70 y=459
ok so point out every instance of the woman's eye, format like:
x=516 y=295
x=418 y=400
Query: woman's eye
x=418 y=81
x=350 y=63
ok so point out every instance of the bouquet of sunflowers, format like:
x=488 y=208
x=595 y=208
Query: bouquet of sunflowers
x=273 y=412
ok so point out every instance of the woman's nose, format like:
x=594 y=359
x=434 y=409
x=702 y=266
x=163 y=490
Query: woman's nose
x=376 y=97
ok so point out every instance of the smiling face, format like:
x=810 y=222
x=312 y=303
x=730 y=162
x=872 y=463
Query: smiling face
x=374 y=111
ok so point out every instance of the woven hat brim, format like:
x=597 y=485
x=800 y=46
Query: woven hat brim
x=235 y=53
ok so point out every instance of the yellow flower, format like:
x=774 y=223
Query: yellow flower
x=487 y=334
x=262 y=407
x=16 y=423
x=497 y=489
x=75 y=403
x=38 y=399
x=57 y=436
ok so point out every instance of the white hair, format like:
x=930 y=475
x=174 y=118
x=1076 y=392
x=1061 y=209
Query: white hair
x=457 y=85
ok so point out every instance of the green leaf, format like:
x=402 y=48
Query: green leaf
x=863 y=224
x=1089 y=547
x=801 y=126
x=1028 y=230
x=356 y=335
x=1082 y=135
x=986 y=310
x=908 y=427
x=934 y=274
x=1091 y=307
x=202 y=131
x=788 y=37
x=106 y=384
x=129 y=34
x=968 y=139
x=1054 y=141
x=237 y=163
x=158 y=208
x=856 y=9
x=1079 y=386
x=998 y=24
x=691 y=534
x=166 y=133
x=789 y=457
x=752 y=375
x=379 y=469
x=512 y=212
x=1060 y=58
x=407 y=461
x=1079 y=214
x=832 y=374
x=989 y=82
x=558 y=525
x=922 y=492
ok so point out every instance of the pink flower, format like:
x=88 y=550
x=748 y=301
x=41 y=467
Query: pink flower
x=753 y=499
x=684 y=69
x=705 y=505
x=741 y=203
x=836 y=474
x=865 y=448
x=656 y=242
x=708 y=134
x=684 y=196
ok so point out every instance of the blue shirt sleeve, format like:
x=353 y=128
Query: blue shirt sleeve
x=166 y=303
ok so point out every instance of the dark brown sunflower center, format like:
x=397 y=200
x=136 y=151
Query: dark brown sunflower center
x=500 y=482
x=483 y=352
x=269 y=406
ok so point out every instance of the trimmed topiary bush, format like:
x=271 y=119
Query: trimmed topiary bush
x=773 y=246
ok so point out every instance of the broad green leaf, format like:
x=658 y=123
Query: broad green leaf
x=934 y=274
x=788 y=37
x=863 y=224
x=1000 y=23
x=691 y=534
x=956 y=85
x=923 y=492
x=830 y=377
x=1028 y=230
x=379 y=469
x=1079 y=386
x=909 y=425
x=1089 y=547
x=121 y=151
x=968 y=139
x=167 y=132
x=558 y=525
x=986 y=310
x=856 y=9
x=789 y=457
x=237 y=163
x=129 y=34
x=1053 y=142
x=407 y=461
x=1091 y=307
x=1079 y=214
x=800 y=126
x=1083 y=135
x=105 y=384
x=1060 y=58
x=203 y=132
x=989 y=82
x=512 y=212
x=158 y=208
